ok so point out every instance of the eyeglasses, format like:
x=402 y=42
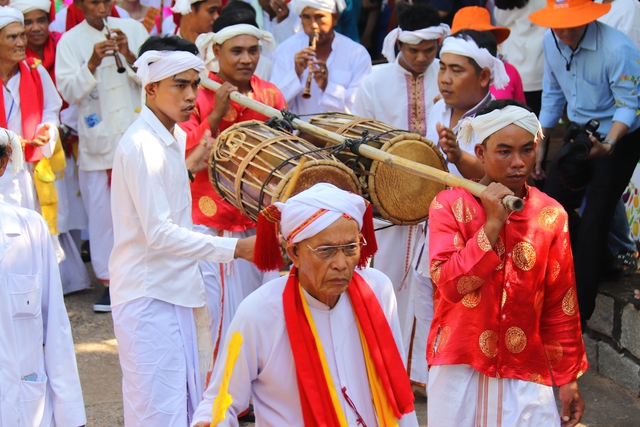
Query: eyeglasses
x=349 y=249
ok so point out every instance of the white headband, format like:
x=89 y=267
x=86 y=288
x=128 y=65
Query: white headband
x=268 y=42
x=183 y=7
x=9 y=15
x=332 y=6
x=411 y=37
x=154 y=65
x=468 y=48
x=17 y=159
x=486 y=125
x=26 y=6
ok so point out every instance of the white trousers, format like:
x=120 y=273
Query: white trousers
x=96 y=196
x=161 y=381
x=461 y=396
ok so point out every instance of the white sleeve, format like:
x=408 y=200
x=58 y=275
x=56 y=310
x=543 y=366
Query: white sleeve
x=51 y=112
x=284 y=74
x=341 y=98
x=363 y=105
x=75 y=81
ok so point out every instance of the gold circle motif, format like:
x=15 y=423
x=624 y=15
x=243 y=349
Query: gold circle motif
x=565 y=247
x=462 y=211
x=444 y=338
x=504 y=298
x=555 y=270
x=569 y=302
x=554 y=351
x=537 y=378
x=565 y=227
x=515 y=340
x=458 y=241
x=435 y=204
x=549 y=217
x=467 y=284
x=472 y=299
x=231 y=115
x=483 y=241
x=500 y=251
x=488 y=342
x=524 y=256
x=207 y=206
x=435 y=270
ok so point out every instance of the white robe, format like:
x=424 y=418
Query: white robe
x=33 y=315
x=348 y=64
x=60 y=23
x=265 y=368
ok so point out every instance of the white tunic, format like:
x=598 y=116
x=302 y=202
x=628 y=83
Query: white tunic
x=108 y=102
x=348 y=64
x=155 y=251
x=33 y=315
x=282 y=30
x=18 y=190
x=392 y=95
x=265 y=368
x=60 y=23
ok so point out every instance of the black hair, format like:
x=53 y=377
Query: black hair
x=196 y=5
x=499 y=104
x=484 y=39
x=234 y=15
x=170 y=43
x=511 y=4
x=3 y=151
x=418 y=16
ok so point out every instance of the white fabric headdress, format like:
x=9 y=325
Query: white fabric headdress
x=486 y=125
x=332 y=6
x=311 y=211
x=411 y=37
x=26 y=6
x=183 y=7
x=9 y=15
x=205 y=42
x=154 y=65
x=17 y=159
x=468 y=48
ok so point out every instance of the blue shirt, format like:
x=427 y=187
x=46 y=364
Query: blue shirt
x=592 y=87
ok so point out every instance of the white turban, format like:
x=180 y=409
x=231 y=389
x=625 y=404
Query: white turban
x=311 y=211
x=486 y=125
x=154 y=65
x=205 y=41
x=26 y=6
x=332 y=6
x=468 y=48
x=411 y=37
x=183 y=7
x=9 y=15
x=17 y=159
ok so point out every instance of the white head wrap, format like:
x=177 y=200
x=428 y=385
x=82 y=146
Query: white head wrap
x=205 y=42
x=468 y=48
x=332 y=6
x=486 y=125
x=411 y=37
x=183 y=7
x=17 y=159
x=154 y=65
x=302 y=215
x=10 y=15
x=26 y=6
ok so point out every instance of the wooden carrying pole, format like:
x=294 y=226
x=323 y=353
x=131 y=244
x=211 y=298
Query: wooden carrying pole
x=512 y=203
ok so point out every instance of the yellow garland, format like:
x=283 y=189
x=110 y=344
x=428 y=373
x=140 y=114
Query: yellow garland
x=44 y=175
x=223 y=400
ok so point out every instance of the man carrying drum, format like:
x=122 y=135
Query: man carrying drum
x=159 y=312
x=237 y=49
x=414 y=72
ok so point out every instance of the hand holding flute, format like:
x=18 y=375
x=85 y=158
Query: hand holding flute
x=306 y=93
x=119 y=39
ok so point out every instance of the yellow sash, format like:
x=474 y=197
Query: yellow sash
x=44 y=175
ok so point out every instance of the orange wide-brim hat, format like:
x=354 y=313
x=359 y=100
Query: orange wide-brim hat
x=477 y=18
x=568 y=13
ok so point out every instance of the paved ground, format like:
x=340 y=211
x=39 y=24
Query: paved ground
x=608 y=405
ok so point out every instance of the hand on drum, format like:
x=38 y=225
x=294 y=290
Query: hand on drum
x=302 y=58
x=497 y=213
x=244 y=248
x=449 y=144
x=320 y=74
x=198 y=158
x=222 y=104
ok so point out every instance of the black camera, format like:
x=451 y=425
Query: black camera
x=580 y=135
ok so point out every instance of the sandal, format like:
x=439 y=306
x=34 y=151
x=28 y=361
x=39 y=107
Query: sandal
x=627 y=262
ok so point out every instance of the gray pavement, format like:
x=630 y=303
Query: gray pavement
x=608 y=405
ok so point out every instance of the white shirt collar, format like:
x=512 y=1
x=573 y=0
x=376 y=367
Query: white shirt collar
x=152 y=120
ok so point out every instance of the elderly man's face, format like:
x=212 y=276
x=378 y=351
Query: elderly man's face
x=318 y=21
x=13 y=42
x=36 y=25
x=461 y=84
x=326 y=279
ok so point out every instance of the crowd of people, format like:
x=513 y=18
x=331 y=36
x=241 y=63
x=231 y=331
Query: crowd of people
x=106 y=134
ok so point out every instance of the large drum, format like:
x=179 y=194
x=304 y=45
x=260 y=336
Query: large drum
x=251 y=166
x=397 y=195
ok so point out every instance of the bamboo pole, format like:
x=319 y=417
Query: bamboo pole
x=512 y=203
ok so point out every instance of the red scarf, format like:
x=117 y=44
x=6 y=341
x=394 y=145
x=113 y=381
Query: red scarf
x=31 y=104
x=49 y=54
x=75 y=15
x=317 y=407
